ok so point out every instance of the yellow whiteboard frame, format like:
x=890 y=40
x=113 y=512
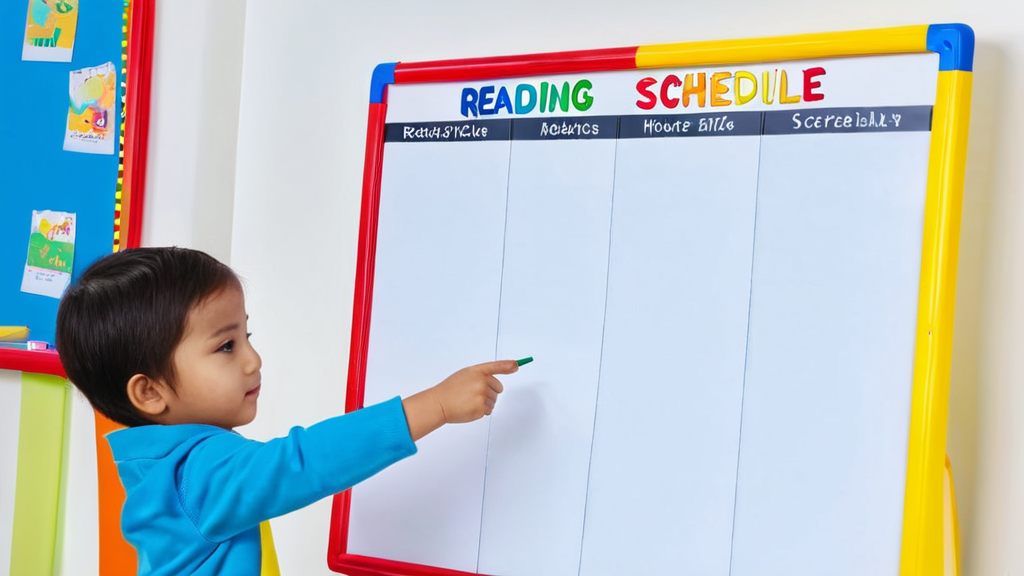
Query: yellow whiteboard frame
x=923 y=546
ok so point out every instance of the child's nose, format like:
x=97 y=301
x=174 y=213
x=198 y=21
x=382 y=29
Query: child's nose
x=253 y=362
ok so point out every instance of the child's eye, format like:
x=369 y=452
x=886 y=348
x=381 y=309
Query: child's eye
x=248 y=335
x=227 y=347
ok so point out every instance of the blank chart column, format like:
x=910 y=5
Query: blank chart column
x=552 y=307
x=663 y=476
x=435 y=310
x=827 y=401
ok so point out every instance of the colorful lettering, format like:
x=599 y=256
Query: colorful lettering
x=689 y=89
x=725 y=88
x=784 y=97
x=768 y=94
x=503 y=101
x=559 y=97
x=581 y=98
x=742 y=98
x=648 y=100
x=810 y=84
x=469 y=98
x=521 y=106
x=485 y=100
x=718 y=89
x=526 y=98
x=671 y=81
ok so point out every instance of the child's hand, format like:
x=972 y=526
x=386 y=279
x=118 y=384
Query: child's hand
x=470 y=393
x=464 y=396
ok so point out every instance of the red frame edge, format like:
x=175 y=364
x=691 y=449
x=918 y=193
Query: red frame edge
x=36 y=361
x=116 y=556
x=579 y=61
x=354 y=565
x=361 y=305
x=136 y=133
x=338 y=558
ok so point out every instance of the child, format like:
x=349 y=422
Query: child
x=156 y=339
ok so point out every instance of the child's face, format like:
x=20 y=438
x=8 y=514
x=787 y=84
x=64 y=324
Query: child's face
x=217 y=370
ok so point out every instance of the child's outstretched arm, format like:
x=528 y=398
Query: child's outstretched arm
x=229 y=484
x=464 y=396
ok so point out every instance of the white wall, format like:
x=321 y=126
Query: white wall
x=286 y=212
x=197 y=70
x=10 y=404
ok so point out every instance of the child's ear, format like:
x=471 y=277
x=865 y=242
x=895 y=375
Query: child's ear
x=149 y=396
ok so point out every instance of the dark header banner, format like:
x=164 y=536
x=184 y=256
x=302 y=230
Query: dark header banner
x=842 y=120
x=465 y=131
x=577 y=128
x=683 y=125
x=773 y=122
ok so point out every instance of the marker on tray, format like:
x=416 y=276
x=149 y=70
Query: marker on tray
x=13 y=333
x=28 y=345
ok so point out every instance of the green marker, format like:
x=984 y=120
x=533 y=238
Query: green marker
x=526 y=360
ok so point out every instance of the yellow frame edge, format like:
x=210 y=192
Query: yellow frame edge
x=901 y=40
x=922 y=548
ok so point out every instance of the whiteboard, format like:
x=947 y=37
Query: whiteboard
x=717 y=269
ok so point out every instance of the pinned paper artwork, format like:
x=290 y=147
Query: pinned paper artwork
x=91 y=120
x=50 y=28
x=51 y=253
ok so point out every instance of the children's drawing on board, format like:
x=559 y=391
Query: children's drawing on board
x=50 y=28
x=91 y=120
x=51 y=253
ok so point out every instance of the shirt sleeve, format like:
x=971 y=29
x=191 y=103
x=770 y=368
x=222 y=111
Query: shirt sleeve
x=229 y=484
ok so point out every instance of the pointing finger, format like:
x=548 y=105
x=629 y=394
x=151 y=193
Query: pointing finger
x=499 y=367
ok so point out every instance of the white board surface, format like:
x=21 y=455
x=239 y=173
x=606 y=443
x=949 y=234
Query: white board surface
x=826 y=410
x=680 y=256
x=556 y=258
x=721 y=305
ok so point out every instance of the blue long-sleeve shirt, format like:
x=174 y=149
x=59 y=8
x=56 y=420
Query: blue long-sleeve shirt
x=196 y=494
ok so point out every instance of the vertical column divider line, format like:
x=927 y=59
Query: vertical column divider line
x=746 y=350
x=604 y=324
x=497 y=332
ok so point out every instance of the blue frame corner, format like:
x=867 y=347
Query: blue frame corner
x=954 y=43
x=383 y=75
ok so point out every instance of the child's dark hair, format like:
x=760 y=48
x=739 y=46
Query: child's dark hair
x=125 y=316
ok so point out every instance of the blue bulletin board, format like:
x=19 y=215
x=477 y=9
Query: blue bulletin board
x=36 y=173
x=76 y=115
